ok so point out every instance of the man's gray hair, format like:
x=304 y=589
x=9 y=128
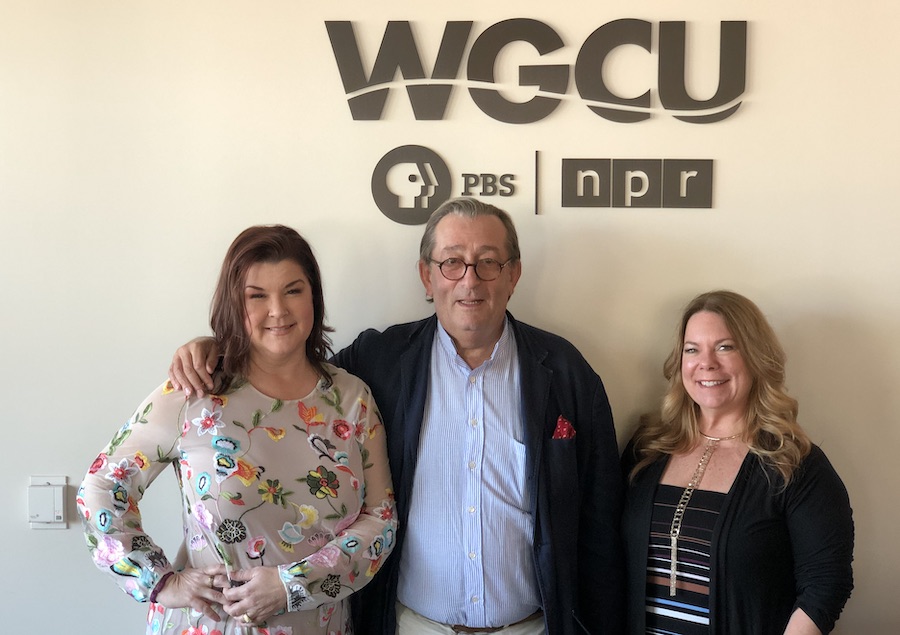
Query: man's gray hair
x=470 y=208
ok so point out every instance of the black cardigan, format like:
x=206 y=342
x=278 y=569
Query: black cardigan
x=773 y=550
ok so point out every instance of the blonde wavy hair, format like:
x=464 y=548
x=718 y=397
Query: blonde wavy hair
x=772 y=431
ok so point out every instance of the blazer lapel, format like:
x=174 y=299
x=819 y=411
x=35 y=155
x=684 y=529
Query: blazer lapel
x=535 y=379
x=414 y=365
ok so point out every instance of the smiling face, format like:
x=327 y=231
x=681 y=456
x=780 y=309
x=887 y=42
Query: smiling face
x=471 y=310
x=278 y=309
x=712 y=369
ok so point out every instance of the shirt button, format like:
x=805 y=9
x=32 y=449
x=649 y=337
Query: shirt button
x=471 y=510
x=474 y=423
x=471 y=555
x=472 y=380
x=475 y=599
x=471 y=465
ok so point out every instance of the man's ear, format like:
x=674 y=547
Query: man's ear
x=425 y=276
x=515 y=272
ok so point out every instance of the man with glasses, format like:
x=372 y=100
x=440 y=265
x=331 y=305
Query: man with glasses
x=502 y=453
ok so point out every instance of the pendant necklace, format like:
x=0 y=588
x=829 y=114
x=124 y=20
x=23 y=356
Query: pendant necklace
x=694 y=483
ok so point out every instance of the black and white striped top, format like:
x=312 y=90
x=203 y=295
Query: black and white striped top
x=687 y=613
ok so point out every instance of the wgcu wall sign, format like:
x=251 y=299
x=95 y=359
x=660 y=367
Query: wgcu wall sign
x=586 y=182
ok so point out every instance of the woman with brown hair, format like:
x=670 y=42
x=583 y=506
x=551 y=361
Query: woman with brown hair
x=735 y=523
x=287 y=503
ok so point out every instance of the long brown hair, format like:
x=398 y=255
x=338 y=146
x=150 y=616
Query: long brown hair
x=270 y=244
x=772 y=431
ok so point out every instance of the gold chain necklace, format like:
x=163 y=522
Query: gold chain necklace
x=694 y=483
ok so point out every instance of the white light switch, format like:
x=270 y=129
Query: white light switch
x=47 y=502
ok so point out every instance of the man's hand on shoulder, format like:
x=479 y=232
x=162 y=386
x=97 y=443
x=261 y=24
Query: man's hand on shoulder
x=193 y=365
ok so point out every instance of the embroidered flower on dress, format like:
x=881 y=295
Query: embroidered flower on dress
x=322 y=482
x=290 y=535
x=385 y=511
x=326 y=557
x=246 y=472
x=119 y=496
x=226 y=465
x=310 y=416
x=141 y=460
x=256 y=548
x=342 y=429
x=376 y=548
x=350 y=544
x=308 y=516
x=197 y=542
x=139 y=543
x=108 y=551
x=203 y=482
x=98 y=464
x=104 y=520
x=203 y=516
x=208 y=422
x=388 y=534
x=226 y=445
x=297 y=570
x=157 y=560
x=122 y=471
x=318 y=540
x=231 y=531
x=320 y=445
x=331 y=585
x=273 y=492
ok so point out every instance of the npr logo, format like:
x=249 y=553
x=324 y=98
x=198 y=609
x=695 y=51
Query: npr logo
x=637 y=183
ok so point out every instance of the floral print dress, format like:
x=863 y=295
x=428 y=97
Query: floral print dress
x=303 y=485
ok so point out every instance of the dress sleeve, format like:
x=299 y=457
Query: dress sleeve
x=820 y=523
x=111 y=491
x=363 y=541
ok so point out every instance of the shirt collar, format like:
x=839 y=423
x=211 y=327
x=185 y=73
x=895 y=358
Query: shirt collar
x=446 y=343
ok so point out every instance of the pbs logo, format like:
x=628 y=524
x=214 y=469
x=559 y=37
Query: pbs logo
x=409 y=183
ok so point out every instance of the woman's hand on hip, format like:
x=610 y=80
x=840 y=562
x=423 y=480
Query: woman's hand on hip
x=259 y=595
x=198 y=589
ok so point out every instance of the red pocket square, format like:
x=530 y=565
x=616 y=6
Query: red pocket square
x=564 y=429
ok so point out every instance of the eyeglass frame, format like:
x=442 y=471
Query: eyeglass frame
x=440 y=265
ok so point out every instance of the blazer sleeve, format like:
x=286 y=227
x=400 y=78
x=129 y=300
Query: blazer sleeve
x=349 y=358
x=820 y=523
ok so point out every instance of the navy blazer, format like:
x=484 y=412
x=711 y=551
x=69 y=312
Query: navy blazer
x=576 y=485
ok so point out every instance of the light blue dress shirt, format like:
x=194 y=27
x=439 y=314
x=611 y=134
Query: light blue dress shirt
x=467 y=558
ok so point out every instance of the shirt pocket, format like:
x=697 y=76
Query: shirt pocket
x=505 y=475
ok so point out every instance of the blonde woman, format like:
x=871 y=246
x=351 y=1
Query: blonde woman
x=734 y=523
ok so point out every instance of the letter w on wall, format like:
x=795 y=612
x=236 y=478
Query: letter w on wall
x=398 y=51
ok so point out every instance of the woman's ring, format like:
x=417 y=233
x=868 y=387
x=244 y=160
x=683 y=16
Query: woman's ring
x=246 y=618
x=212 y=584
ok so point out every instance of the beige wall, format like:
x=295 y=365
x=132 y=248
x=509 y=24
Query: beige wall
x=137 y=138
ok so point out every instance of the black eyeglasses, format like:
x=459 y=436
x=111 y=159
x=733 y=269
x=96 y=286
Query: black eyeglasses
x=486 y=269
